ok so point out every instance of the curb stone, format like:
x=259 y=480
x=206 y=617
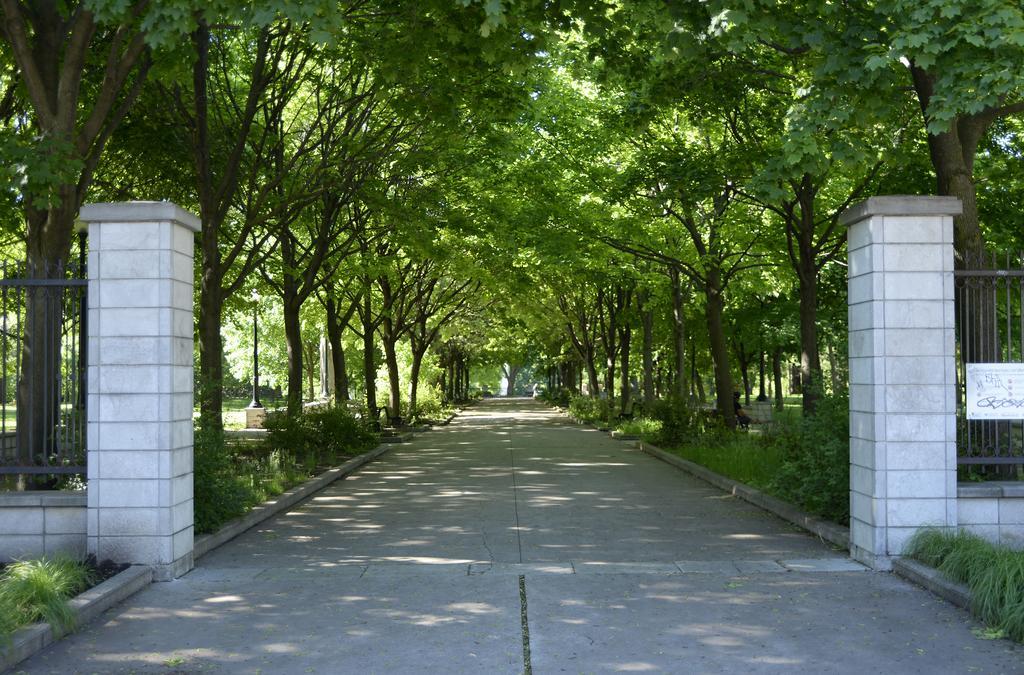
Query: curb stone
x=87 y=606
x=830 y=532
x=932 y=580
x=30 y=640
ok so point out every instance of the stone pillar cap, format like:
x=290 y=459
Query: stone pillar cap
x=138 y=212
x=902 y=205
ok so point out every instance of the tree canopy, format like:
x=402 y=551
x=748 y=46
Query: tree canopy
x=635 y=200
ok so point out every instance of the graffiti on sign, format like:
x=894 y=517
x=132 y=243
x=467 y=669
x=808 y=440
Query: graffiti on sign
x=995 y=391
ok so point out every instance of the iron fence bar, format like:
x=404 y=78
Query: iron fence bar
x=63 y=283
x=41 y=470
x=987 y=460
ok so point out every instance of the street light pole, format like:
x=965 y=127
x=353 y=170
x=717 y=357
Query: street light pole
x=255 y=403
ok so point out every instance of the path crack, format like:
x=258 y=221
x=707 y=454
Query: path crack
x=515 y=502
x=524 y=621
x=483 y=536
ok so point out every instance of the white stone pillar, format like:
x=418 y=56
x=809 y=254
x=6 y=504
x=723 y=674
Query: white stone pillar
x=140 y=331
x=902 y=372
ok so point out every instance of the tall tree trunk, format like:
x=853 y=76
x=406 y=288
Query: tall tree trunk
x=833 y=367
x=511 y=373
x=952 y=153
x=369 y=362
x=647 y=323
x=678 y=333
x=334 y=336
x=211 y=352
x=38 y=389
x=780 y=400
x=810 y=360
x=592 y=379
x=745 y=375
x=625 y=390
x=761 y=394
x=391 y=360
x=719 y=350
x=293 y=342
x=414 y=380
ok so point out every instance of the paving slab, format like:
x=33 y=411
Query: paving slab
x=762 y=623
x=420 y=563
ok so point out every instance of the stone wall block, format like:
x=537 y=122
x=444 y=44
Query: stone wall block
x=916 y=370
x=914 y=313
x=914 y=455
x=65 y=520
x=913 y=286
x=915 y=512
x=920 y=398
x=916 y=485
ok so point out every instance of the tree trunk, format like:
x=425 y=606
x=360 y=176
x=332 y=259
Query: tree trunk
x=293 y=342
x=334 y=335
x=38 y=383
x=625 y=390
x=719 y=351
x=761 y=394
x=810 y=360
x=391 y=360
x=211 y=353
x=952 y=153
x=745 y=375
x=647 y=321
x=592 y=380
x=780 y=401
x=369 y=363
x=833 y=366
x=414 y=380
x=511 y=372
x=678 y=333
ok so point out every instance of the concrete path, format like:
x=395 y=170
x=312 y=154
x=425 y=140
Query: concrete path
x=515 y=537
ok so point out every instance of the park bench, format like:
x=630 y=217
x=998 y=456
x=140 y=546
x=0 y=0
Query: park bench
x=761 y=413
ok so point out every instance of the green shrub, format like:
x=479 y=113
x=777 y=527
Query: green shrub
x=815 y=471
x=318 y=437
x=591 y=409
x=995 y=574
x=684 y=423
x=223 y=488
x=556 y=397
x=429 y=407
x=38 y=590
x=232 y=478
x=645 y=427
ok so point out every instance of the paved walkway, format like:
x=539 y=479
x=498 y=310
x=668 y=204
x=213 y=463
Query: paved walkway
x=513 y=534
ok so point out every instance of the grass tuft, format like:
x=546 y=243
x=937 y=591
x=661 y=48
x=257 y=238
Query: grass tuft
x=994 y=574
x=645 y=427
x=38 y=590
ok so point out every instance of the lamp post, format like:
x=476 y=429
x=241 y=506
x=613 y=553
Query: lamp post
x=255 y=403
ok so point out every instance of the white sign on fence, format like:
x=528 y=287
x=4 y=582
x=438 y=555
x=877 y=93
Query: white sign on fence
x=995 y=391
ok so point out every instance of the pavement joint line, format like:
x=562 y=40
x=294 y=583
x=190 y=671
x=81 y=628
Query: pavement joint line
x=525 y=625
x=515 y=501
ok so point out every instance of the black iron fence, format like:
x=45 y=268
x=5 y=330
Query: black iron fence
x=989 y=300
x=42 y=376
